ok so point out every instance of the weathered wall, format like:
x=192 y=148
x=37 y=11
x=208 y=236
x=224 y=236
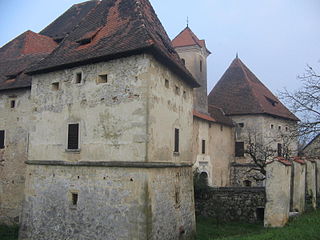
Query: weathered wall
x=259 y=126
x=168 y=109
x=192 y=56
x=243 y=173
x=128 y=122
x=232 y=204
x=221 y=148
x=299 y=186
x=278 y=182
x=219 y=151
x=15 y=121
x=203 y=162
x=318 y=177
x=113 y=203
x=311 y=183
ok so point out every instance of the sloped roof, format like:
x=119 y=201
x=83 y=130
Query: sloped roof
x=19 y=54
x=240 y=92
x=219 y=116
x=113 y=29
x=64 y=24
x=187 y=38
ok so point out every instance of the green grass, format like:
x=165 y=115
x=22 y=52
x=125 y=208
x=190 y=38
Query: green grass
x=9 y=233
x=306 y=227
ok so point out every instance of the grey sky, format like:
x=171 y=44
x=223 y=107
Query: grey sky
x=274 y=38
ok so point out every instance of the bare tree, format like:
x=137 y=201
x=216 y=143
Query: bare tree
x=306 y=102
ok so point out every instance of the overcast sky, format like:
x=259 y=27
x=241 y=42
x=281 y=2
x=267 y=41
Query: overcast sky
x=276 y=39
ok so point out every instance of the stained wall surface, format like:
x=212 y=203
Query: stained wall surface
x=278 y=183
x=311 y=182
x=299 y=187
x=126 y=162
x=15 y=122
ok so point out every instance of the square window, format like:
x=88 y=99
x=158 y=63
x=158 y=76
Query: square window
x=241 y=125
x=166 y=83
x=55 y=86
x=177 y=90
x=103 y=78
x=78 y=78
x=12 y=103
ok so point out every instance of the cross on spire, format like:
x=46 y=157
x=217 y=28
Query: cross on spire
x=187 y=21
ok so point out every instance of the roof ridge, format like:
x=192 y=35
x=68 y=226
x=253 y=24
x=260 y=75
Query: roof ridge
x=243 y=68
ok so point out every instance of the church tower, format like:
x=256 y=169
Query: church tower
x=194 y=53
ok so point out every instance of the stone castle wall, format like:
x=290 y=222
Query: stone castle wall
x=232 y=204
x=15 y=122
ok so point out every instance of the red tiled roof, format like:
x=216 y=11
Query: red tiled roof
x=298 y=160
x=187 y=38
x=64 y=24
x=203 y=116
x=283 y=161
x=27 y=43
x=121 y=28
x=19 y=54
x=240 y=92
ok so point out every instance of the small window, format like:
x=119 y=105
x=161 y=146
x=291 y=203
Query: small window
x=55 y=86
x=12 y=103
x=74 y=199
x=279 y=150
x=271 y=126
x=247 y=183
x=166 y=83
x=177 y=90
x=239 y=149
x=73 y=136
x=103 y=78
x=287 y=129
x=279 y=127
x=183 y=61
x=201 y=66
x=241 y=125
x=203 y=146
x=176 y=140
x=2 y=135
x=78 y=78
x=184 y=94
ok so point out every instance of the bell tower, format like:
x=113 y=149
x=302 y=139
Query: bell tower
x=194 y=53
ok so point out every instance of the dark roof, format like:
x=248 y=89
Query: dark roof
x=18 y=55
x=113 y=29
x=219 y=116
x=187 y=38
x=64 y=24
x=313 y=140
x=240 y=92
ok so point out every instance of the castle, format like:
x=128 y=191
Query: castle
x=104 y=118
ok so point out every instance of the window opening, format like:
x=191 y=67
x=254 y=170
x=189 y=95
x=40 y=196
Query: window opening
x=103 y=78
x=203 y=146
x=73 y=136
x=239 y=151
x=279 y=149
x=78 y=77
x=12 y=103
x=176 y=140
x=2 y=135
x=55 y=86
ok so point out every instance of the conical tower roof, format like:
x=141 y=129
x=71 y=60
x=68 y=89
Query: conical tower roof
x=240 y=92
x=187 y=38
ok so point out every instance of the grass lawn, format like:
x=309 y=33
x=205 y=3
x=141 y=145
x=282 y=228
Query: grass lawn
x=304 y=227
x=8 y=233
